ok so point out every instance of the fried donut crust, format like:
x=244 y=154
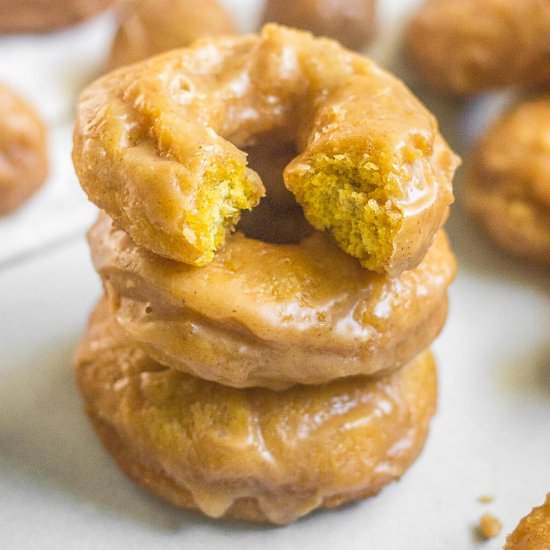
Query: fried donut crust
x=533 y=531
x=507 y=186
x=23 y=151
x=46 y=15
x=156 y=146
x=470 y=46
x=350 y=22
x=150 y=27
x=273 y=315
x=251 y=454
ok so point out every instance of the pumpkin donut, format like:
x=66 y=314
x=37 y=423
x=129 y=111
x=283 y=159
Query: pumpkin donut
x=272 y=315
x=157 y=145
x=46 y=15
x=471 y=46
x=508 y=183
x=252 y=454
x=533 y=531
x=149 y=27
x=23 y=151
x=351 y=22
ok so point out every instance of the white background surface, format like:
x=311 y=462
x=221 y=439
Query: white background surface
x=60 y=489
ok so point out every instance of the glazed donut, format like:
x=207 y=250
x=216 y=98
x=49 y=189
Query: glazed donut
x=272 y=315
x=351 y=22
x=533 y=531
x=508 y=182
x=46 y=15
x=251 y=454
x=150 y=27
x=470 y=46
x=156 y=146
x=23 y=151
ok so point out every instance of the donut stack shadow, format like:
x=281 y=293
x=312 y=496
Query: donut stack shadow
x=273 y=379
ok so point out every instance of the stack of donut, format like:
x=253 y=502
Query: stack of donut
x=265 y=367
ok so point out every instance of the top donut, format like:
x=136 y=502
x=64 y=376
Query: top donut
x=158 y=145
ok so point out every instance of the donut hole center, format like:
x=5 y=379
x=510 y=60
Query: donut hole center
x=278 y=219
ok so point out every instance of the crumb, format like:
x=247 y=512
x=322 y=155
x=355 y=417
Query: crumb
x=489 y=527
x=485 y=499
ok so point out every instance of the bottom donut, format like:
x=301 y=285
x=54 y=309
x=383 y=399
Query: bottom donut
x=251 y=454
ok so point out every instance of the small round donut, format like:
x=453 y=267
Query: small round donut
x=273 y=315
x=351 y=22
x=251 y=454
x=18 y=16
x=470 y=46
x=508 y=183
x=159 y=146
x=23 y=151
x=533 y=531
x=150 y=27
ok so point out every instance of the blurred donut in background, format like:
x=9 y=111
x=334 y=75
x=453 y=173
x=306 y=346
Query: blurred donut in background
x=19 y=16
x=23 y=151
x=150 y=27
x=507 y=187
x=467 y=47
x=351 y=22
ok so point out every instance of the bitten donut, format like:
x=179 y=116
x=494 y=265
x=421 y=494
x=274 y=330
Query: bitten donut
x=351 y=22
x=273 y=315
x=508 y=183
x=23 y=151
x=252 y=454
x=533 y=531
x=469 y=46
x=46 y=15
x=156 y=146
x=149 y=27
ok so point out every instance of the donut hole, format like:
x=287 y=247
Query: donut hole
x=278 y=219
x=269 y=225
x=268 y=156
